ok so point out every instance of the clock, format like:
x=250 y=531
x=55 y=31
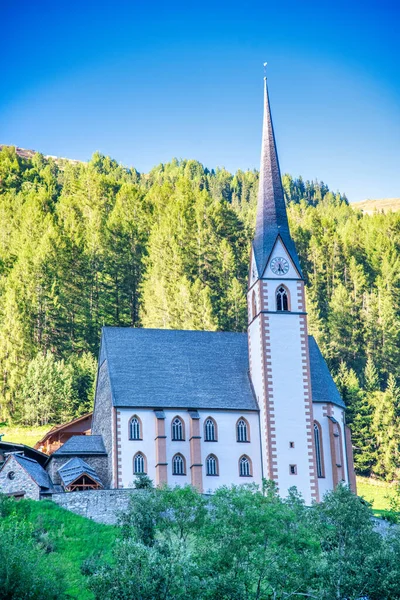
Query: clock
x=279 y=265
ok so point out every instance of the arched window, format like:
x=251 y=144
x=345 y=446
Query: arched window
x=178 y=465
x=253 y=305
x=319 y=457
x=245 y=469
x=210 y=430
x=282 y=299
x=177 y=429
x=212 y=465
x=139 y=463
x=242 y=430
x=135 y=428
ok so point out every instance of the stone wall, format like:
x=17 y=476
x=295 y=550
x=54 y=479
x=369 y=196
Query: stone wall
x=102 y=421
x=98 y=463
x=102 y=506
x=22 y=481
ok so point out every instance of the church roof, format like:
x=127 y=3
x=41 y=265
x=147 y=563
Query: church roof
x=322 y=384
x=162 y=368
x=82 y=444
x=271 y=210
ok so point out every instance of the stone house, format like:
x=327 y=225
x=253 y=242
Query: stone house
x=23 y=477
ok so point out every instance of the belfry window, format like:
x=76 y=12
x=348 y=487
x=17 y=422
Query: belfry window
x=134 y=429
x=282 y=300
x=178 y=465
x=318 y=450
x=211 y=465
x=245 y=467
x=242 y=431
x=177 y=429
x=210 y=430
x=139 y=463
x=253 y=305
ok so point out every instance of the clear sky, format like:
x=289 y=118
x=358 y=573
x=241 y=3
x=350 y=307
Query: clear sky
x=148 y=81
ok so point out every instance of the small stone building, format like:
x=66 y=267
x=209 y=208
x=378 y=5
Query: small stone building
x=23 y=477
x=89 y=448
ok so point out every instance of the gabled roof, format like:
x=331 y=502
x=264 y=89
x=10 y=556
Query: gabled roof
x=58 y=428
x=161 y=368
x=82 y=444
x=75 y=468
x=164 y=368
x=36 y=471
x=271 y=210
x=322 y=384
x=40 y=457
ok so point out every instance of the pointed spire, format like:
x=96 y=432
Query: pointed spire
x=271 y=210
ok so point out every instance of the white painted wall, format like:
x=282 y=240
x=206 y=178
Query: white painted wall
x=227 y=449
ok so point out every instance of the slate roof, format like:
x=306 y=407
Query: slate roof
x=82 y=444
x=36 y=471
x=161 y=368
x=271 y=210
x=322 y=384
x=75 y=468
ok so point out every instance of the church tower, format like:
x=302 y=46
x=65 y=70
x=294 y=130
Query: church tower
x=277 y=331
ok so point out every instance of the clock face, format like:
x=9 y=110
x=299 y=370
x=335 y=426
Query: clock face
x=279 y=265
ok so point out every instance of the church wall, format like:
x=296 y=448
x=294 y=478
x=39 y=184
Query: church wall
x=226 y=449
x=102 y=422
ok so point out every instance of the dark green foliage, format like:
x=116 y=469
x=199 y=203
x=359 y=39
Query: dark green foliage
x=241 y=543
x=87 y=245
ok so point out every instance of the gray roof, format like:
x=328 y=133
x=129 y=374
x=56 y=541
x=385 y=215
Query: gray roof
x=322 y=384
x=162 y=368
x=75 y=468
x=271 y=210
x=36 y=471
x=82 y=444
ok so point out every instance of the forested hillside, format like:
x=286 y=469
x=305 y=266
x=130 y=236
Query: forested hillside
x=87 y=245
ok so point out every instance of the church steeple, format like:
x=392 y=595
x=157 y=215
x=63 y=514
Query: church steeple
x=272 y=219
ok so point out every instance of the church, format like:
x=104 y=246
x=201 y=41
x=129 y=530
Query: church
x=220 y=408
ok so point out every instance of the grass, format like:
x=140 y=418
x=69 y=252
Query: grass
x=23 y=435
x=74 y=539
x=376 y=492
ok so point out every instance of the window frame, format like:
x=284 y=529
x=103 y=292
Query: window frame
x=179 y=455
x=248 y=438
x=139 y=420
x=319 y=451
x=144 y=458
x=216 y=474
x=249 y=461
x=182 y=422
x=215 y=429
x=287 y=293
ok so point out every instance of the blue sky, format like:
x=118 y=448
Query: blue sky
x=145 y=82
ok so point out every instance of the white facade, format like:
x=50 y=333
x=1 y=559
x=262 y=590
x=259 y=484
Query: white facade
x=226 y=449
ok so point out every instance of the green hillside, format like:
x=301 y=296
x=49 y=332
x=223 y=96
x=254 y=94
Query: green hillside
x=380 y=205
x=88 y=244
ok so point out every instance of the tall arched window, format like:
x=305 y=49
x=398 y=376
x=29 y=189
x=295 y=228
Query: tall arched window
x=319 y=457
x=135 y=428
x=210 y=430
x=245 y=469
x=178 y=465
x=242 y=430
x=253 y=305
x=282 y=299
x=177 y=429
x=211 y=465
x=139 y=463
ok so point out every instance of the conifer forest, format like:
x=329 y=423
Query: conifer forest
x=83 y=245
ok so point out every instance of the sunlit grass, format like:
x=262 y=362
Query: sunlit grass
x=375 y=491
x=23 y=435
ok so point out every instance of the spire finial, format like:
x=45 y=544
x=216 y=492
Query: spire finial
x=265 y=70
